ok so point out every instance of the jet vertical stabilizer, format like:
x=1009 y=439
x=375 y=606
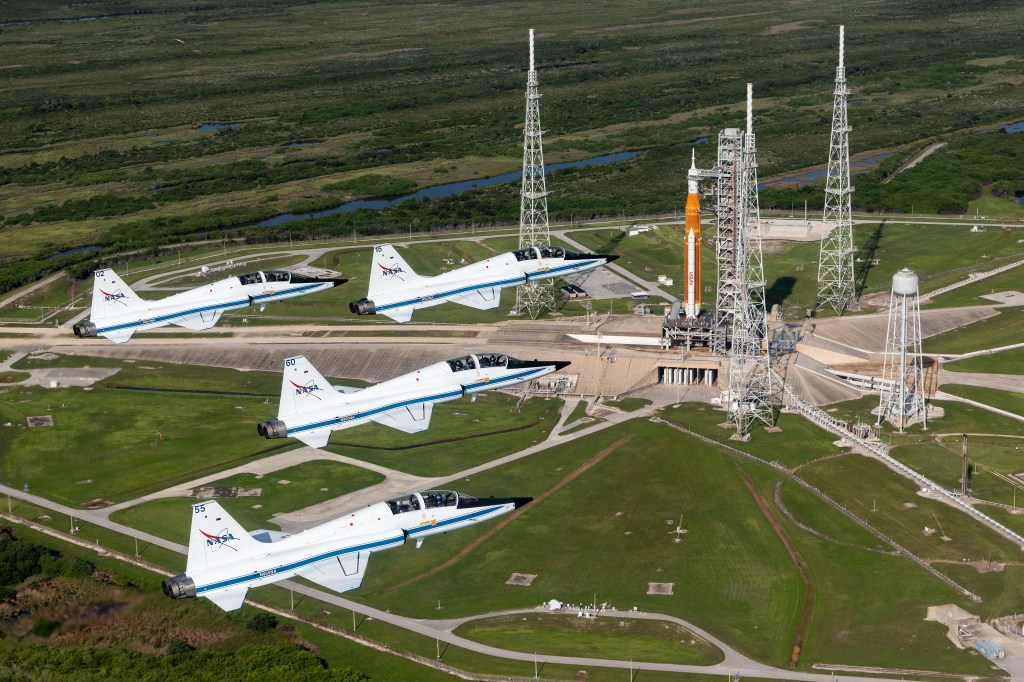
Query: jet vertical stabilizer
x=390 y=272
x=217 y=539
x=303 y=388
x=111 y=299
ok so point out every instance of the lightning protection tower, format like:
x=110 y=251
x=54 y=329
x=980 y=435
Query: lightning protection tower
x=750 y=387
x=903 y=389
x=836 y=287
x=533 y=298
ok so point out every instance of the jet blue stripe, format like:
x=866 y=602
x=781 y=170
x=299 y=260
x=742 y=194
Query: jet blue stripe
x=171 y=316
x=388 y=408
x=345 y=550
x=498 y=283
x=255 y=575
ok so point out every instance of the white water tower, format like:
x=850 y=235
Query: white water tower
x=903 y=390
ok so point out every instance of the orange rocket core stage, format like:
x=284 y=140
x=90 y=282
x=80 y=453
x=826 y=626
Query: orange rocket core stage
x=691 y=246
x=692 y=270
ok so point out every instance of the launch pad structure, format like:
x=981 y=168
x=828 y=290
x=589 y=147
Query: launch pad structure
x=737 y=328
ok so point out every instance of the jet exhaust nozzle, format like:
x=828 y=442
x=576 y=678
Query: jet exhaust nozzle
x=180 y=587
x=272 y=428
x=84 y=330
x=363 y=306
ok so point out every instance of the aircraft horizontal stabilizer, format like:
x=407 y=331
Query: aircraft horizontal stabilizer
x=486 y=298
x=199 y=321
x=338 y=574
x=229 y=600
x=410 y=418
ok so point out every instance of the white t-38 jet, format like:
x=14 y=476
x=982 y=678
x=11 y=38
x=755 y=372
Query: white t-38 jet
x=224 y=561
x=118 y=312
x=396 y=291
x=311 y=408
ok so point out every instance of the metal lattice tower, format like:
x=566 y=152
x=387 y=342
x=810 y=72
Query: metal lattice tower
x=902 y=395
x=728 y=201
x=750 y=386
x=534 y=298
x=836 y=287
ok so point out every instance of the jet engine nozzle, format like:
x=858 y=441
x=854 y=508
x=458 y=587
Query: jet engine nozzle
x=272 y=428
x=180 y=587
x=363 y=306
x=84 y=330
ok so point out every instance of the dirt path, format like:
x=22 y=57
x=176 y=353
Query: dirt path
x=798 y=561
x=508 y=519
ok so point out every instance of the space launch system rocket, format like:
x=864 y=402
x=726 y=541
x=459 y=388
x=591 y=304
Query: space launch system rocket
x=691 y=261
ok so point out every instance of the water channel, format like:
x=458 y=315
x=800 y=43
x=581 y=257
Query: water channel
x=439 y=191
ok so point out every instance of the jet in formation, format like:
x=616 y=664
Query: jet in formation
x=311 y=408
x=118 y=312
x=224 y=561
x=396 y=291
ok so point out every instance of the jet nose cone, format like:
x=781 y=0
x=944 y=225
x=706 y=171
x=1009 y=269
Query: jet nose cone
x=521 y=501
x=338 y=282
x=561 y=364
x=610 y=258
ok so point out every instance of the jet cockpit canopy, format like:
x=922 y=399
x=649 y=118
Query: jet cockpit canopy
x=429 y=499
x=272 y=276
x=484 y=361
x=543 y=251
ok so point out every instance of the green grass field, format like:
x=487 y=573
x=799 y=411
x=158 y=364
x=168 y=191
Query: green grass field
x=970 y=294
x=1004 y=400
x=1003 y=362
x=992 y=332
x=306 y=484
x=617 y=639
x=462 y=434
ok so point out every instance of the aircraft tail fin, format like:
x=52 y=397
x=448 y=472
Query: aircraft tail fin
x=304 y=388
x=216 y=538
x=112 y=297
x=389 y=271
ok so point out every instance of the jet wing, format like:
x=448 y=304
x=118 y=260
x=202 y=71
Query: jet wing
x=398 y=314
x=199 y=321
x=340 y=574
x=120 y=336
x=410 y=418
x=229 y=600
x=486 y=298
x=315 y=439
